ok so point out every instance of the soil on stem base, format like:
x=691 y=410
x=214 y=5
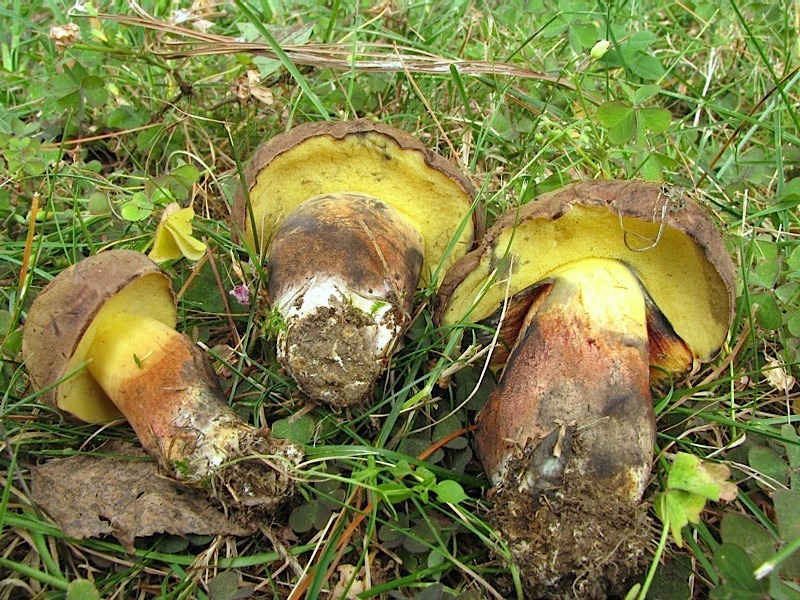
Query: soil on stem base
x=577 y=540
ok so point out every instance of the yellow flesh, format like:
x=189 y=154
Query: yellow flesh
x=609 y=295
x=80 y=395
x=374 y=165
x=678 y=277
x=123 y=345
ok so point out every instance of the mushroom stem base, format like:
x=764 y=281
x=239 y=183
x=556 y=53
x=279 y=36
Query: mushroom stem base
x=162 y=382
x=336 y=343
x=580 y=541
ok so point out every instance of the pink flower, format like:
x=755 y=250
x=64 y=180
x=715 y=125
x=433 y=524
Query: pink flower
x=242 y=294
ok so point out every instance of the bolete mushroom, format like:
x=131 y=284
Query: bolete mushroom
x=602 y=282
x=351 y=217
x=100 y=342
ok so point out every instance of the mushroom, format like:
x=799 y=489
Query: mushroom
x=607 y=288
x=100 y=343
x=352 y=217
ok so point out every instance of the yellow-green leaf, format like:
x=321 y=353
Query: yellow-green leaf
x=620 y=120
x=174 y=236
x=708 y=479
x=678 y=508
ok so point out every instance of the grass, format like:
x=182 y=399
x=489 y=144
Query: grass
x=93 y=132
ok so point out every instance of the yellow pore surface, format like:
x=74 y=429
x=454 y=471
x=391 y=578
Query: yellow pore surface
x=671 y=267
x=374 y=165
x=81 y=395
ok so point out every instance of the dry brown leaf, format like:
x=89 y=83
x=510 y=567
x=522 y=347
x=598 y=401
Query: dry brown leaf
x=123 y=494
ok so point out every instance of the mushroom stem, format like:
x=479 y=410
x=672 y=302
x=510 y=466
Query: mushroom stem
x=572 y=421
x=343 y=271
x=379 y=215
x=162 y=383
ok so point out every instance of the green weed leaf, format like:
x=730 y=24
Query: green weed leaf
x=787 y=513
x=793 y=262
x=656 y=120
x=637 y=57
x=701 y=477
x=744 y=532
x=690 y=483
x=137 y=208
x=450 y=491
x=82 y=589
x=402 y=468
x=768 y=314
x=791 y=191
x=767 y=265
x=678 y=508
x=425 y=476
x=224 y=586
x=736 y=570
x=300 y=429
x=313 y=515
x=792 y=444
x=620 y=120
x=787 y=516
x=644 y=93
x=93 y=89
x=395 y=492
x=650 y=168
x=182 y=178
x=126 y=117
x=766 y=462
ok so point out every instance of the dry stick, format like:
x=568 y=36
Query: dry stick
x=376 y=57
x=344 y=539
x=105 y=136
x=26 y=252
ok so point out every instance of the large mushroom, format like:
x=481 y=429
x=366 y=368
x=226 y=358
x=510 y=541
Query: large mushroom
x=100 y=342
x=599 y=285
x=351 y=218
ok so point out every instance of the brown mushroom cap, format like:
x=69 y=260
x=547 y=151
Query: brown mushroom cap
x=666 y=238
x=365 y=157
x=58 y=331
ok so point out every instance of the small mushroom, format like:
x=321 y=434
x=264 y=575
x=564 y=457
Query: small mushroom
x=100 y=342
x=352 y=217
x=602 y=284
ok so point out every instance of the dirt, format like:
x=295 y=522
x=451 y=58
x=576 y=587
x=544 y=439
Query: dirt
x=257 y=481
x=576 y=540
x=337 y=362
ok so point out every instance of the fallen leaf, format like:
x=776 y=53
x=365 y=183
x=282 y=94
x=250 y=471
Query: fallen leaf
x=777 y=376
x=65 y=36
x=124 y=495
x=350 y=584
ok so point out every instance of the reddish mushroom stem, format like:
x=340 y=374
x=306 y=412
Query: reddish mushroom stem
x=162 y=382
x=343 y=271
x=567 y=437
x=115 y=314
